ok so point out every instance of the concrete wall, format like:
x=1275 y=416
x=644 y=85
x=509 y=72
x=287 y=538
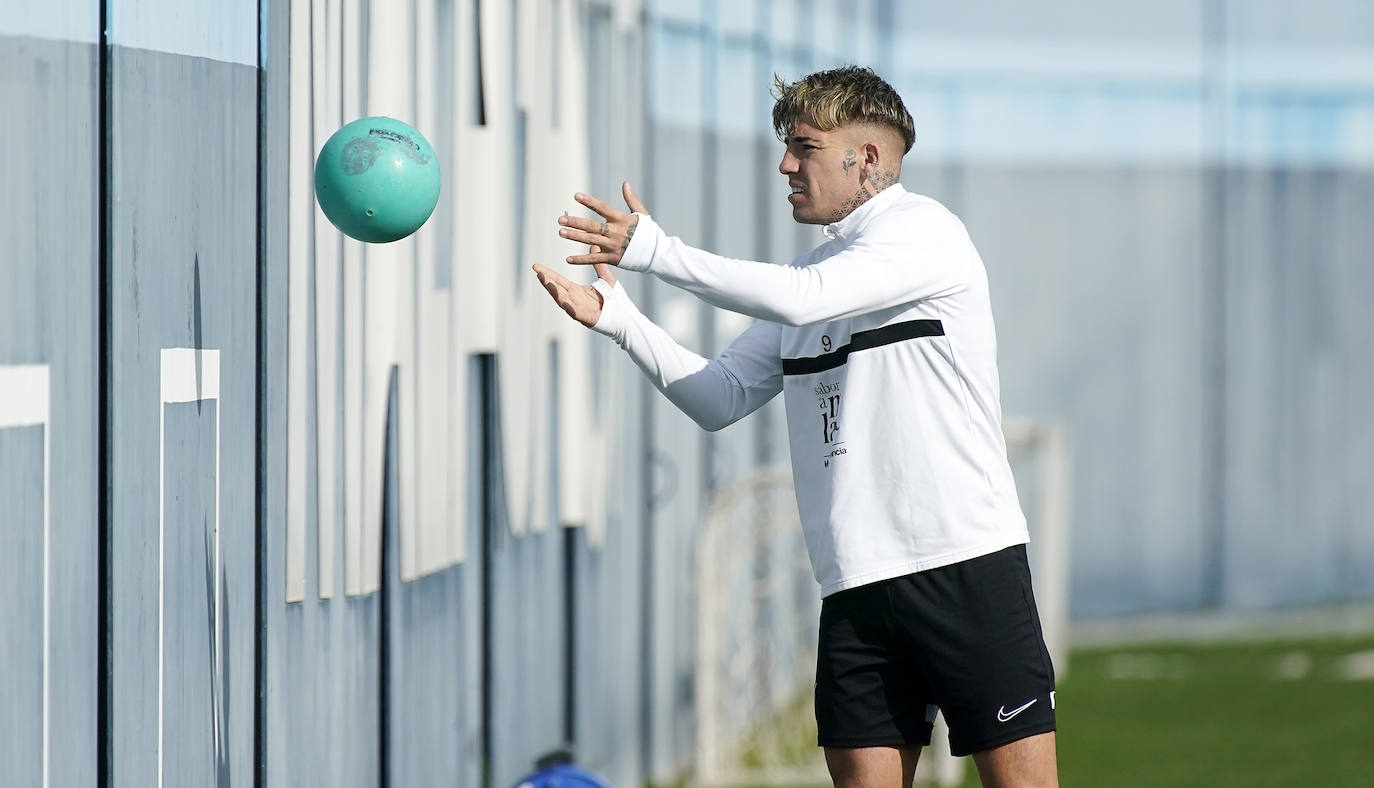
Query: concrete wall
x=1203 y=352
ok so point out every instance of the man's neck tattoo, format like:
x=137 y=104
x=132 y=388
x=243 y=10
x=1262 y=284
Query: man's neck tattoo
x=860 y=197
x=867 y=191
x=880 y=181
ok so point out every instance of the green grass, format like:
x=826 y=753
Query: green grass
x=1279 y=714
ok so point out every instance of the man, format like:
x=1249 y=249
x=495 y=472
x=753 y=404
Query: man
x=882 y=341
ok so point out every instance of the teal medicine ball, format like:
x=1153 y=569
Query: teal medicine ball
x=377 y=179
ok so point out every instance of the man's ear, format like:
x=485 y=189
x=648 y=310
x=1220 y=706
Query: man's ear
x=872 y=159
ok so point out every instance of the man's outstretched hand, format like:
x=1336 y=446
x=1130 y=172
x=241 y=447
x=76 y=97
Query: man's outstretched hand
x=581 y=302
x=609 y=237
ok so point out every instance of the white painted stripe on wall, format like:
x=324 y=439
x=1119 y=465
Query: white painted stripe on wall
x=582 y=447
x=481 y=155
x=301 y=205
x=356 y=291
x=433 y=412
x=466 y=312
x=224 y=30
x=422 y=462
x=25 y=394
x=188 y=375
x=326 y=100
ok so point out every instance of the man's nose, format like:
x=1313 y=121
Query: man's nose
x=788 y=164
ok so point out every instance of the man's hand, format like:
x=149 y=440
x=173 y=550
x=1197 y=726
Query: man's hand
x=581 y=302
x=610 y=237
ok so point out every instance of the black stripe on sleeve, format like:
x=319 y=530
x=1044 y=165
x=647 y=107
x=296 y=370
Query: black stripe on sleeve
x=864 y=340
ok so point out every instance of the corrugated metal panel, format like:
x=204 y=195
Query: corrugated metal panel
x=23 y=616
x=527 y=632
x=48 y=389
x=323 y=639
x=608 y=664
x=434 y=635
x=183 y=275
x=279 y=731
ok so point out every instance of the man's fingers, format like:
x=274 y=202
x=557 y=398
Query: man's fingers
x=583 y=224
x=545 y=274
x=585 y=237
x=631 y=199
x=603 y=271
x=593 y=259
x=607 y=212
x=551 y=279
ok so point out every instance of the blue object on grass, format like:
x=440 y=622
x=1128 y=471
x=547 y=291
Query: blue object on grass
x=556 y=770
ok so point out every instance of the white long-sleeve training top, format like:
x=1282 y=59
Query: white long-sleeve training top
x=882 y=341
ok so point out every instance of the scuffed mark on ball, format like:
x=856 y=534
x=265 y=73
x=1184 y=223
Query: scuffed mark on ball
x=407 y=146
x=358 y=156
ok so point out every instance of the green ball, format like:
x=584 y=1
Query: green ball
x=377 y=179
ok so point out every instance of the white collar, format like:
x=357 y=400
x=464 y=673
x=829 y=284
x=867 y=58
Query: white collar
x=849 y=226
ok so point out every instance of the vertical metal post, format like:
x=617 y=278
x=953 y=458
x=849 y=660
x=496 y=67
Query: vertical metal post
x=488 y=405
x=649 y=464
x=1215 y=172
x=260 y=425
x=104 y=404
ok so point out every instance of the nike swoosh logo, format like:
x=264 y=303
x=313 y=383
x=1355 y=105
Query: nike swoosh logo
x=1005 y=716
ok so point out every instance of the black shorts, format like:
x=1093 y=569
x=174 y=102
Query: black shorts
x=964 y=638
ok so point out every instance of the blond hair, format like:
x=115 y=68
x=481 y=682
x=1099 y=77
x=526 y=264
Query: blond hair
x=839 y=97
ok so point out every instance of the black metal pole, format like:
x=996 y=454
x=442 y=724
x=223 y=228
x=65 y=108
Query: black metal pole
x=104 y=405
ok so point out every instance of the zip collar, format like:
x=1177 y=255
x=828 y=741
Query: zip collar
x=845 y=229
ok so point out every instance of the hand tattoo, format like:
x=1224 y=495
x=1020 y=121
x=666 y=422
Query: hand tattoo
x=629 y=234
x=605 y=229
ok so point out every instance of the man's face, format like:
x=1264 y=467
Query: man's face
x=823 y=172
